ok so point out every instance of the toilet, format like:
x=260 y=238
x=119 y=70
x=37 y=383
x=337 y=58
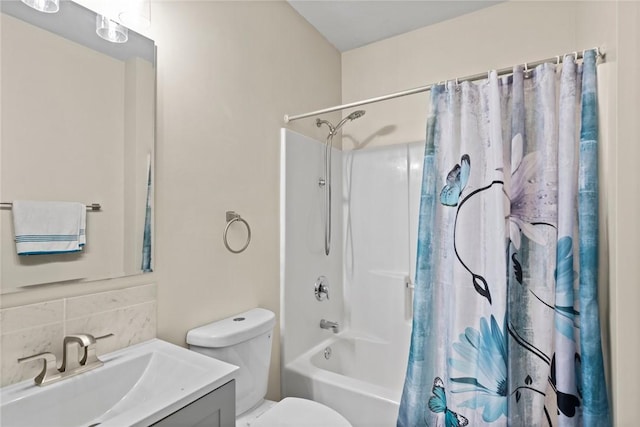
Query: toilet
x=245 y=340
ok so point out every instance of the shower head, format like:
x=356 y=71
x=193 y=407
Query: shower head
x=356 y=115
x=333 y=130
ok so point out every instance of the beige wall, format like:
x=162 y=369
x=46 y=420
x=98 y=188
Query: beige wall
x=507 y=34
x=227 y=74
x=491 y=38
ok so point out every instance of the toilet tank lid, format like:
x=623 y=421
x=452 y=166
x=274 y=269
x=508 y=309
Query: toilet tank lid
x=233 y=330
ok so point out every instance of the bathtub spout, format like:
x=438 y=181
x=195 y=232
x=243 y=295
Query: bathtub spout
x=326 y=324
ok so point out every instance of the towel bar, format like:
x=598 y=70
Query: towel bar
x=90 y=207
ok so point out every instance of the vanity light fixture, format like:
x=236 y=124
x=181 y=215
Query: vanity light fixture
x=46 y=6
x=110 y=30
x=136 y=14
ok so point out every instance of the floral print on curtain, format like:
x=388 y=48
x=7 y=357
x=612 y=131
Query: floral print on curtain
x=505 y=327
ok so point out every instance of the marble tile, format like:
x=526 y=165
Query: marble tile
x=130 y=314
x=28 y=316
x=27 y=342
x=86 y=305
x=129 y=325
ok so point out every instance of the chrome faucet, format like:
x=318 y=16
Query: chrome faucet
x=327 y=324
x=78 y=356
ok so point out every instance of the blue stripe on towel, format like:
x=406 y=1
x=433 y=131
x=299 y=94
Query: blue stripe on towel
x=46 y=238
x=50 y=252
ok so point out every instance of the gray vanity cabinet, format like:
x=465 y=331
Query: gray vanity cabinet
x=216 y=409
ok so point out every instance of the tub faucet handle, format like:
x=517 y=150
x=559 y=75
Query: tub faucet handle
x=321 y=289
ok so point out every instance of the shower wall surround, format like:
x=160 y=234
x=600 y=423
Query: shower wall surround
x=381 y=204
x=129 y=314
x=376 y=193
x=302 y=244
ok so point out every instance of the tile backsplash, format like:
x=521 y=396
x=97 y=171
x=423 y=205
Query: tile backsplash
x=129 y=314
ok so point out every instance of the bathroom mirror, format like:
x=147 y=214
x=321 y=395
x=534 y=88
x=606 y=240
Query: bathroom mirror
x=78 y=124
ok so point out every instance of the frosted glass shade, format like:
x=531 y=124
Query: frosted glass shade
x=111 y=30
x=46 y=6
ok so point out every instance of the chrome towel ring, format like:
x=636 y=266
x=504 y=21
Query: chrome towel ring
x=231 y=218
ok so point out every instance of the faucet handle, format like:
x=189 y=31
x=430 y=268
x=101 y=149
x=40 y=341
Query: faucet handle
x=103 y=337
x=321 y=289
x=49 y=369
x=90 y=357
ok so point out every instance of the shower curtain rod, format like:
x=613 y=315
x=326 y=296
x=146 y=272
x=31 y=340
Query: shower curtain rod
x=501 y=72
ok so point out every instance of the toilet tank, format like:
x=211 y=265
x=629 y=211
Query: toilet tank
x=243 y=340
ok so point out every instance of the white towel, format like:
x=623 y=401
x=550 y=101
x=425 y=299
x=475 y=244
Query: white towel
x=49 y=227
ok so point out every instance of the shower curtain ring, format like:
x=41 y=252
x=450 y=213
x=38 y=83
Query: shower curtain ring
x=575 y=54
x=558 y=60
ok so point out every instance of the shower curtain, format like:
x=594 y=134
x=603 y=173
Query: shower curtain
x=505 y=327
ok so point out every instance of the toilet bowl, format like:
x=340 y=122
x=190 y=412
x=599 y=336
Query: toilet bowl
x=245 y=341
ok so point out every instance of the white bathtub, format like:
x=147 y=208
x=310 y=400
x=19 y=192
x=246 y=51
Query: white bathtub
x=362 y=379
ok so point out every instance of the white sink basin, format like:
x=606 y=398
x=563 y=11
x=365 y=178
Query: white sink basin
x=137 y=386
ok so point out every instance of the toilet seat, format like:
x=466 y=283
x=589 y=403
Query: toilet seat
x=295 y=412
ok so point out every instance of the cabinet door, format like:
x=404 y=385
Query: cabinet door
x=216 y=409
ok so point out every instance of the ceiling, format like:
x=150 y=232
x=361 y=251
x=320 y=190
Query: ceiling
x=354 y=23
